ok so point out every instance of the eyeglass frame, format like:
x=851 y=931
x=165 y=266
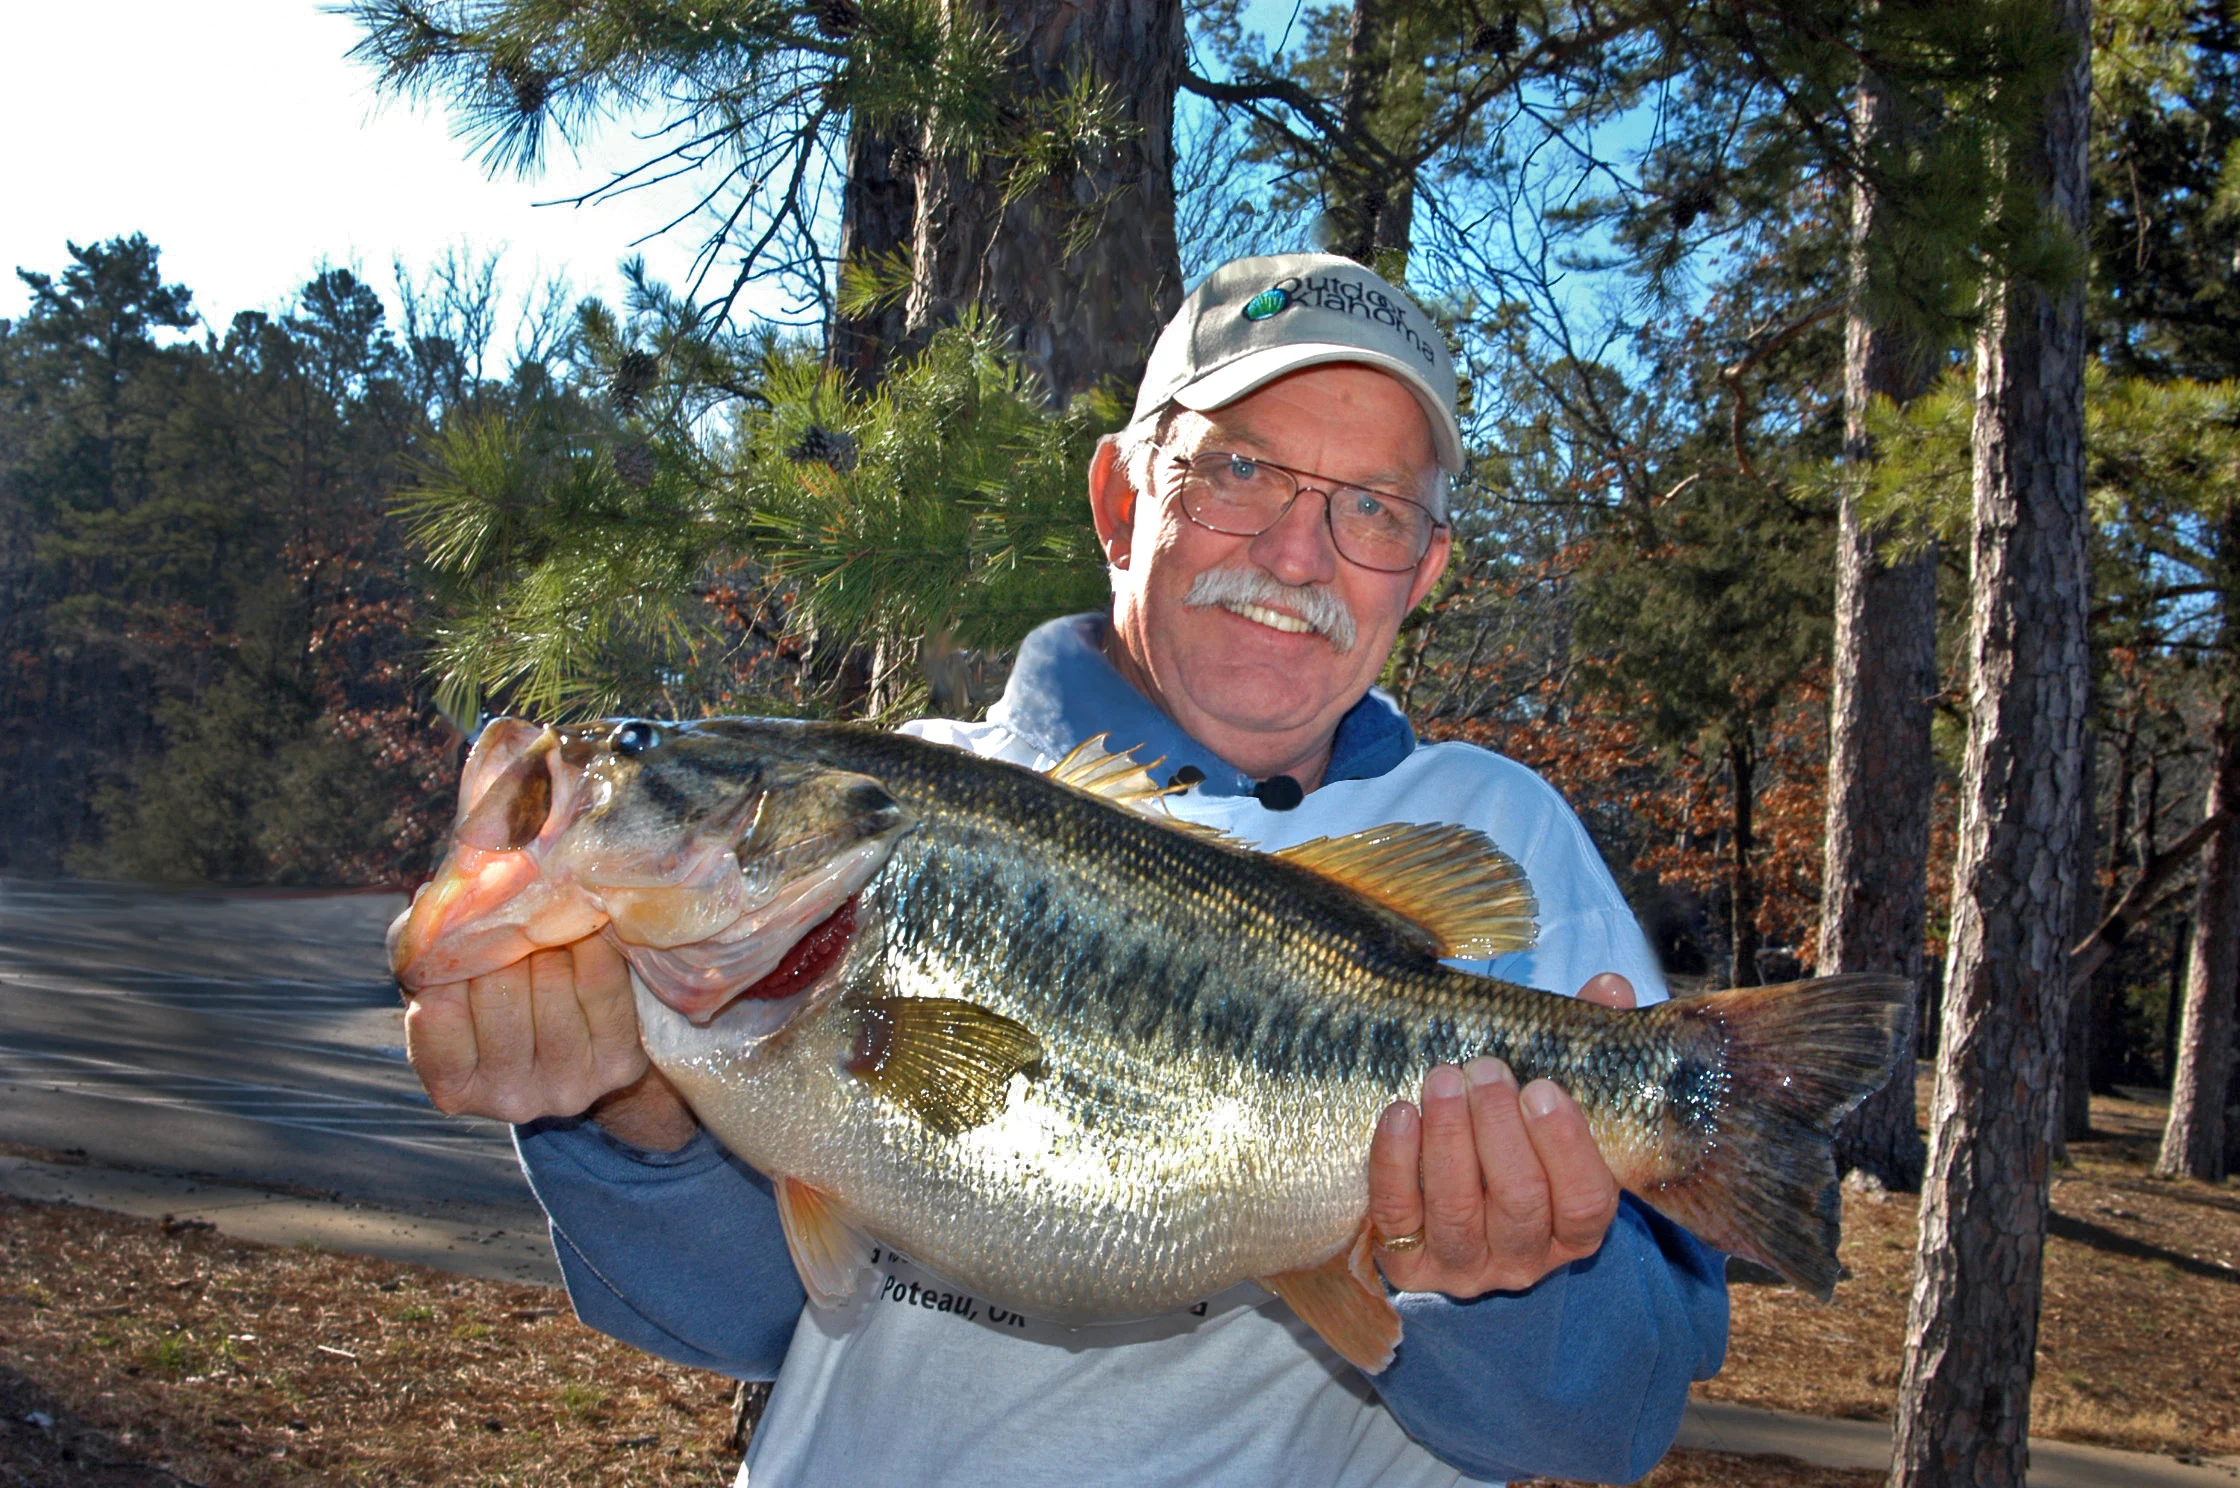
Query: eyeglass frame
x=1299 y=487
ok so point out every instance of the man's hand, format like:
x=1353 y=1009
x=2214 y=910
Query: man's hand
x=553 y=1035
x=1503 y=1186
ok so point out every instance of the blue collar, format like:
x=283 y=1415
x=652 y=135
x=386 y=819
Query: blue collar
x=1063 y=690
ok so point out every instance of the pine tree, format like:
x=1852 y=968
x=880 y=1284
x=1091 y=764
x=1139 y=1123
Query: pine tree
x=1964 y=1393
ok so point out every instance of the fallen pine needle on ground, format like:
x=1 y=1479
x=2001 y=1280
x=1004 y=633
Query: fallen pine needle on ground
x=138 y=1353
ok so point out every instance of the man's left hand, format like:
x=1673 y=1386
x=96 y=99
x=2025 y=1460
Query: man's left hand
x=1503 y=1185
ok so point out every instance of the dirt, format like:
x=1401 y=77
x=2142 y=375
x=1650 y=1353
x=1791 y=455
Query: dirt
x=138 y=1353
x=2141 y=1318
x=135 y=1352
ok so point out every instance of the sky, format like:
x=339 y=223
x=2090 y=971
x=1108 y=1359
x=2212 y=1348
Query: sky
x=238 y=138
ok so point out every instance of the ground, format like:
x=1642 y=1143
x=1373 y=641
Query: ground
x=132 y=1352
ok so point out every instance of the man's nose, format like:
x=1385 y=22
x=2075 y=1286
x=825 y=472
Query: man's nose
x=1298 y=549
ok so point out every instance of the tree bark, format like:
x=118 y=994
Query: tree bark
x=1743 y=899
x=1972 y=1328
x=1881 y=764
x=878 y=218
x=1078 y=319
x=2073 y=1122
x=2193 y=1143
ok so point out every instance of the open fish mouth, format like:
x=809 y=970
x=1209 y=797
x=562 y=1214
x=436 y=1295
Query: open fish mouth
x=717 y=879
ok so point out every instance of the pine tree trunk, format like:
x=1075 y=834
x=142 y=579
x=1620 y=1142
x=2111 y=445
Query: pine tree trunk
x=1972 y=1328
x=1079 y=318
x=1881 y=767
x=2074 y=1123
x=2193 y=1143
x=878 y=216
x=1742 y=903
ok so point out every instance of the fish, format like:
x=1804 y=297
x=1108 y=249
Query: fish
x=1078 y=1056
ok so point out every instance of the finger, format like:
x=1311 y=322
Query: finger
x=1454 y=1229
x=1610 y=990
x=505 y=1033
x=563 y=1035
x=1516 y=1188
x=1396 y=1174
x=1582 y=1194
x=610 y=1011
x=439 y=1041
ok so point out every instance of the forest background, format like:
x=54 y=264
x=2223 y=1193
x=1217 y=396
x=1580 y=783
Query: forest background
x=259 y=581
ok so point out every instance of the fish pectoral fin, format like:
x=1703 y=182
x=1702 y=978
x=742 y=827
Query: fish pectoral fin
x=946 y=1061
x=827 y=1251
x=1344 y=1301
x=1470 y=896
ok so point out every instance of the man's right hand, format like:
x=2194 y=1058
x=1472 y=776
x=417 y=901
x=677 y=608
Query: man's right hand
x=553 y=1035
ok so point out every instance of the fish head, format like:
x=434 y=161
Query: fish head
x=726 y=855
x=722 y=858
x=491 y=902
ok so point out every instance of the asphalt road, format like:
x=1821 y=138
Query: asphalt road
x=256 y=1038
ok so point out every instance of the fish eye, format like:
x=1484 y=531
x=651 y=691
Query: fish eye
x=634 y=738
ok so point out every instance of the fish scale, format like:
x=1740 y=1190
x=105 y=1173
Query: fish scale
x=1095 y=1067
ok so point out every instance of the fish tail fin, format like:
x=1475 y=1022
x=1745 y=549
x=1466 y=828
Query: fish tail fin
x=1795 y=1059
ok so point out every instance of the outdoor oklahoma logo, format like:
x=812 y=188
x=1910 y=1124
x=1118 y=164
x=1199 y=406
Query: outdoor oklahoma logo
x=1347 y=297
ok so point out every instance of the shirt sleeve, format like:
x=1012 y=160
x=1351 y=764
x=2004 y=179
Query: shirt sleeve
x=1583 y=1376
x=677 y=1253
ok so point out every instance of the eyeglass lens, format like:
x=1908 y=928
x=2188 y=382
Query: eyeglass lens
x=1245 y=497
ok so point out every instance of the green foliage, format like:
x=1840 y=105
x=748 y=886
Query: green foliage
x=946 y=503
x=754 y=93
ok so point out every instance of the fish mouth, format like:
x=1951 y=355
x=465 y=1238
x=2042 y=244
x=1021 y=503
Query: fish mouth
x=491 y=903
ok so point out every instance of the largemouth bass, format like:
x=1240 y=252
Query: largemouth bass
x=1086 y=1062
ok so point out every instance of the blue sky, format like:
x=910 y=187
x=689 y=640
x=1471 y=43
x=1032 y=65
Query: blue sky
x=237 y=137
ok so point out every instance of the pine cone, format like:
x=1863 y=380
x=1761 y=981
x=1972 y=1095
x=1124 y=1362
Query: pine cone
x=637 y=465
x=824 y=446
x=634 y=372
x=838 y=18
x=905 y=158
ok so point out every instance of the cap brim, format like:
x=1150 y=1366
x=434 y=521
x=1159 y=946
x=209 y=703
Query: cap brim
x=1233 y=380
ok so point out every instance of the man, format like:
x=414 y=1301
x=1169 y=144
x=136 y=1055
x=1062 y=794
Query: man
x=1276 y=508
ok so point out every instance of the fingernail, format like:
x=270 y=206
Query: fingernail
x=1541 y=1097
x=1397 y=1119
x=1483 y=1072
x=1443 y=1083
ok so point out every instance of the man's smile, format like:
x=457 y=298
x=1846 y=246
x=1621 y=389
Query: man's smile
x=1273 y=619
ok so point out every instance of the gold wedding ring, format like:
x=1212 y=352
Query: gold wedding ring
x=1400 y=1244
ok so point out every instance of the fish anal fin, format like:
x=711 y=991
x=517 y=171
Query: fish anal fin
x=947 y=1061
x=1344 y=1301
x=827 y=1251
x=1470 y=896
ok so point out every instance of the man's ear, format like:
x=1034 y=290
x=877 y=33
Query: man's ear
x=1433 y=565
x=1112 y=501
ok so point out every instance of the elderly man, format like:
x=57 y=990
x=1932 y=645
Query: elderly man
x=1274 y=510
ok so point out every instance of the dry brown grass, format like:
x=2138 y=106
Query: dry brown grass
x=2141 y=1320
x=167 y=1355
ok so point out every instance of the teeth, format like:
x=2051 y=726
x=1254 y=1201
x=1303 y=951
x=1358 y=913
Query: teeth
x=1273 y=619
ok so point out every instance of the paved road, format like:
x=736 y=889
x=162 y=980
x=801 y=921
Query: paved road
x=253 y=1037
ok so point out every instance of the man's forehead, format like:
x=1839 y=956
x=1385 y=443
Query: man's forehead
x=1255 y=431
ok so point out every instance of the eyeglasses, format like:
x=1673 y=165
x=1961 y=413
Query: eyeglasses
x=1244 y=496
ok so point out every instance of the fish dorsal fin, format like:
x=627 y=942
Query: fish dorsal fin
x=947 y=1061
x=1344 y=1301
x=1090 y=766
x=1468 y=894
x=827 y=1250
x=1119 y=779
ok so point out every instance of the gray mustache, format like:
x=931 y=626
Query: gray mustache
x=1312 y=603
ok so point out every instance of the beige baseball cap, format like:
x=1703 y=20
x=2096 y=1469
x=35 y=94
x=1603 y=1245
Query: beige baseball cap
x=1254 y=319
